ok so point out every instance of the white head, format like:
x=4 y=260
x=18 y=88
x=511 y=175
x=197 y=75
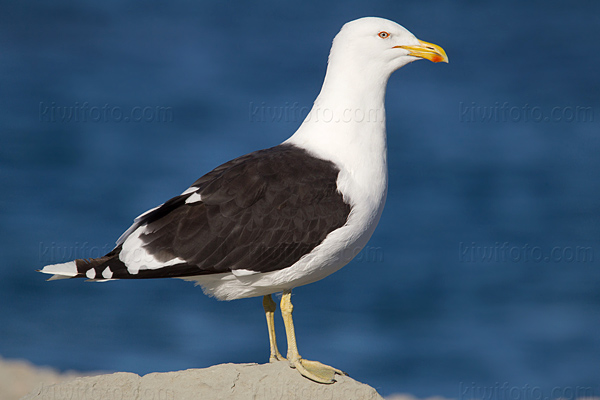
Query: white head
x=347 y=121
x=369 y=49
x=382 y=43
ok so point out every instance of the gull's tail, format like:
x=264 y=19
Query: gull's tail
x=96 y=269
x=111 y=267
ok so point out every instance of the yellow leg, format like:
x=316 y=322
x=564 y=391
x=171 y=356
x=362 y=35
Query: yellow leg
x=313 y=370
x=270 y=307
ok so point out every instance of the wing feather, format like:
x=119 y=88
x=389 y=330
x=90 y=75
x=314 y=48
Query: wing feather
x=258 y=213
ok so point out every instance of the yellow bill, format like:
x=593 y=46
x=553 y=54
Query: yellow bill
x=429 y=51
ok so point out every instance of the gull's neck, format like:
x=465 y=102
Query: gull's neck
x=347 y=126
x=348 y=86
x=347 y=121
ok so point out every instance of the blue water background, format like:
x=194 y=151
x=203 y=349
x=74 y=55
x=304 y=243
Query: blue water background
x=421 y=310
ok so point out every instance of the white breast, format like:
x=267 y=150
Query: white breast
x=359 y=150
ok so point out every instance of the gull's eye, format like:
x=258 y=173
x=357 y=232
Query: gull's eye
x=383 y=35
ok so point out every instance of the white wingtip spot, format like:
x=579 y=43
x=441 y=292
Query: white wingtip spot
x=193 y=198
x=107 y=273
x=91 y=273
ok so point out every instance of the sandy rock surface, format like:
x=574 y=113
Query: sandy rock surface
x=17 y=378
x=225 y=381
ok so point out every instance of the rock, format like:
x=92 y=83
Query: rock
x=17 y=378
x=220 y=382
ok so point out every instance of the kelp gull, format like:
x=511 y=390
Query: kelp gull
x=286 y=216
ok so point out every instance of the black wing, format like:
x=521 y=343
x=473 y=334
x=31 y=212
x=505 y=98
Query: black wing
x=260 y=212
